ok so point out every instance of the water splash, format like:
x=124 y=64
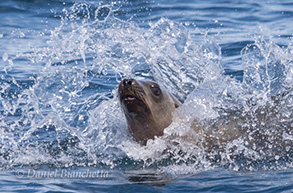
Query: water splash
x=179 y=63
x=264 y=66
x=68 y=114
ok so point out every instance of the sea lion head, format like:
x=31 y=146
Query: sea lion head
x=148 y=108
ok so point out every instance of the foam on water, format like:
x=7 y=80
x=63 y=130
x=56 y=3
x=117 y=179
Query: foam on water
x=70 y=114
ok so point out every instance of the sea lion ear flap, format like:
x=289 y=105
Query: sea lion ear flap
x=177 y=103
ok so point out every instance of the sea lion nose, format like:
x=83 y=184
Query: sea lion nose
x=127 y=82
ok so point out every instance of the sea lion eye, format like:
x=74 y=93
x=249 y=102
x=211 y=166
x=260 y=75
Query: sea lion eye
x=155 y=90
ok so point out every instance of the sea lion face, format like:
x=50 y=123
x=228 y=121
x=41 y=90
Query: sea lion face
x=148 y=108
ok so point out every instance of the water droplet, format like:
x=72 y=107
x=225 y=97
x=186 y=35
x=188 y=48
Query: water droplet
x=5 y=57
x=81 y=117
x=102 y=13
x=182 y=70
x=21 y=35
x=104 y=71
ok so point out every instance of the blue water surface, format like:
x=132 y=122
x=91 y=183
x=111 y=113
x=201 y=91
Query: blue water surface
x=61 y=127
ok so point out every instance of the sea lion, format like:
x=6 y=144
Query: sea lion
x=148 y=108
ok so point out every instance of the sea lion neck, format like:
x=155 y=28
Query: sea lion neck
x=143 y=127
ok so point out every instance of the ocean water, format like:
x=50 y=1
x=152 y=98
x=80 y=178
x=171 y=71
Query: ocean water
x=229 y=62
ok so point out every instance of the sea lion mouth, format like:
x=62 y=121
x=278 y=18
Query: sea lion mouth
x=133 y=104
x=129 y=98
